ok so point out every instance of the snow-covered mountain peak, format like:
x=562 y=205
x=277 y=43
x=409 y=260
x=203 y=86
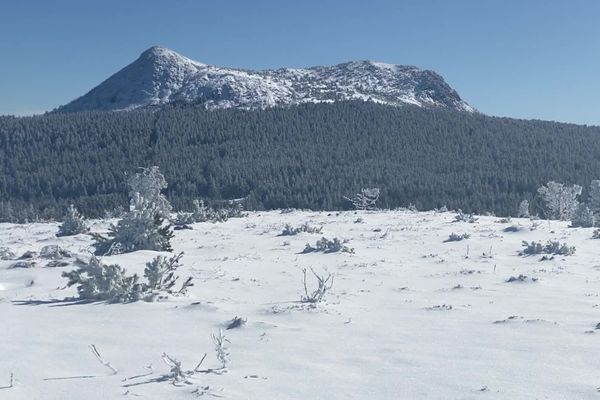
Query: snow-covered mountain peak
x=162 y=76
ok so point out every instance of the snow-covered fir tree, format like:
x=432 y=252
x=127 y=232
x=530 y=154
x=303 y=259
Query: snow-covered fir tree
x=142 y=228
x=149 y=183
x=73 y=223
x=583 y=217
x=594 y=197
x=97 y=281
x=524 y=209
x=561 y=200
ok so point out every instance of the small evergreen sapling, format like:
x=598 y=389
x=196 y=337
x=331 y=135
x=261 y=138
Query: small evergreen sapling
x=524 y=209
x=583 y=217
x=160 y=274
x=97 y=281
x=142 y=228
x=73 y=223
x=366 y=199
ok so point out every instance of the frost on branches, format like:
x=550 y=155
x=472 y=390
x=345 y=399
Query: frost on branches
x=561 y=200
x=73 y=223
x=583 y=217
x=160 y=273
x=365 y=199
x=99 y=282
x=148 y=184
x=142 y=228
x=524 y=209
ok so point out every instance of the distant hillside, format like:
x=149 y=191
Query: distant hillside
x=307 y=156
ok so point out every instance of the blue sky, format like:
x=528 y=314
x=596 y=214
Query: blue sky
x=525 y=59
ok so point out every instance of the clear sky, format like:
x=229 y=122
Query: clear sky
x=520 y=58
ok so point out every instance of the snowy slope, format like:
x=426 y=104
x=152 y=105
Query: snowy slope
x=409 y=316
x=161 y=76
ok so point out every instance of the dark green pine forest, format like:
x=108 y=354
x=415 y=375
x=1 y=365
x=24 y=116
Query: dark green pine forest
x=306 y=156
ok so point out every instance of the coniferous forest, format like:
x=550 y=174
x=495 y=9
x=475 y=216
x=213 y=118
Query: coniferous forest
x=307 y=156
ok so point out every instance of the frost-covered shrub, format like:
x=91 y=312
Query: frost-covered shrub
x=73 y=223
x=366 y=199
x=97 y=281
x=160 y=274
x=54 y=252
x=453 y=237
x=289 y=230
x=512 y=228
x=22 y=264
x=594 y=197
x=462 y=217
x=551 y=247
x=203 y=213
x=583 y=217
x=328 y=246
x=142 y=228
x=149 y=183
x=324 y=284
x=524 y=209
x=6 y=254
x=561 y=200
x=442 y=210
x=28 y=255
x=596 y=234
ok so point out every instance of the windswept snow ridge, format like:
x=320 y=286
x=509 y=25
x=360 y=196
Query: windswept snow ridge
x=161 y=76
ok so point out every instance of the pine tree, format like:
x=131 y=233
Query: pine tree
x=583 y=217
x=73 y=223
x=561 y=200
x=142 y=228
x=149 y=183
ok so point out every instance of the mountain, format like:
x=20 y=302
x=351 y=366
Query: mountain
x=161 y=76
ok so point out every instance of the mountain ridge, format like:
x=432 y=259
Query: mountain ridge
x=160 y=76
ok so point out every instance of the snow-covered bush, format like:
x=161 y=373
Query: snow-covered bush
x=561 y=200
x=203 y=213
x=453 y=237
x=328 y=246
x=551 y=247
x=54 y=252
x=594 y=197
x=289 y=230
x=149 y=183
x=596 y=234
x=512 y=228
x=524 y=209
x=97 y=281
x=324 y=284
x=160 y=273
x=184 y=219
x=6 y=254
x=462 y=217
x=142 y=228
x=366 y=199
x=583 y=217
x=73 y=223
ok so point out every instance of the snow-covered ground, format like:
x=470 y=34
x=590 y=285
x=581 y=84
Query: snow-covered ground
x=409 y=315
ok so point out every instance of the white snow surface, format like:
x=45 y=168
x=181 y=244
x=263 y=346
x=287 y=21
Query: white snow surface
x=408 y=317
x=161 y=76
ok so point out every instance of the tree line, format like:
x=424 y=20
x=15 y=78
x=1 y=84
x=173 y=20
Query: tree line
x=307 y=156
